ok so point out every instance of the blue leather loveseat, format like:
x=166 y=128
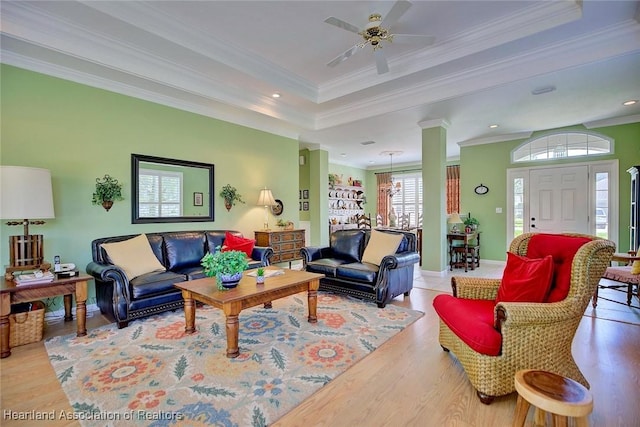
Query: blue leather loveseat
x=345 y=272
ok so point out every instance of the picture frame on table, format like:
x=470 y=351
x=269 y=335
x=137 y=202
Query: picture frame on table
x=198 y=199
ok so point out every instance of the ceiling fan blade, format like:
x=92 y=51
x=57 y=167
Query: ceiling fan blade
x=397 y=10
x=342 y=24
x=343 y=56
x=414 y=38
x=381 y=61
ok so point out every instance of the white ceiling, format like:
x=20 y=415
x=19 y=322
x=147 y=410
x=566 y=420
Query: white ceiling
x=224 y=59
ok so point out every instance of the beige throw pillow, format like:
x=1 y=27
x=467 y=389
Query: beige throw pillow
x=134 y=256
x=380 y=245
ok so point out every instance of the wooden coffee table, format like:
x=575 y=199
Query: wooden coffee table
x=246 y=294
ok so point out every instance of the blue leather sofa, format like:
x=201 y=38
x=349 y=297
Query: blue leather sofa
x=179 y=251
x=341 y=263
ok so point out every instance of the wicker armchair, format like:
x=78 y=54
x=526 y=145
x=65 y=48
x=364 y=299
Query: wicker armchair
x=534 y=335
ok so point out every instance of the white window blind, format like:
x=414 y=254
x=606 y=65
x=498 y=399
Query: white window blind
x=159 y=193
x=409 y=199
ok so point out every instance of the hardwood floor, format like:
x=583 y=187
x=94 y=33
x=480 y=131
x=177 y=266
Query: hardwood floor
x=408 y=381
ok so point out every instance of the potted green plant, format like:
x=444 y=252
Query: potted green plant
x=226 y=266
x=108 y=190
x=471 y=224
x=231 y=196
x=260 y=275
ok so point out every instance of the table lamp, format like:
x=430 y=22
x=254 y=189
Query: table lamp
x=25 y=193
x=454 y=219
x=266 y=199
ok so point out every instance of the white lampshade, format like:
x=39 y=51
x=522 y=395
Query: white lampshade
x=454 y=218
x=266 y=198
x=25 y=193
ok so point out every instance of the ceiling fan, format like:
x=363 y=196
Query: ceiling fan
x=376 y=32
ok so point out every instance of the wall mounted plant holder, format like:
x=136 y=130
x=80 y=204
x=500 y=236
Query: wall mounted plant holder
x=108 y=190
x=231 y=196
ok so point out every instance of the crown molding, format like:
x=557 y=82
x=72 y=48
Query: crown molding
x=428 y=124
x=192 y=103
x=120 y=68
x=149 y=17
x=26 y=24
x=614 y=121
x=539 y=17
x=496 y=138
x=609 y=42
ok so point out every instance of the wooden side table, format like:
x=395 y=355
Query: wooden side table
x=10 y=293
x=286 y=244
x=548 y=392
x=461 y=248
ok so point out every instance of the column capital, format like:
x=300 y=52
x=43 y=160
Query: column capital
x=428 y=124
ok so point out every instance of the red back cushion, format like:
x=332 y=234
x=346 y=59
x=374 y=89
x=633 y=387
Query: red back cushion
x=562 y=249
x=525 y=279
x=471 y=320
x=235 y=243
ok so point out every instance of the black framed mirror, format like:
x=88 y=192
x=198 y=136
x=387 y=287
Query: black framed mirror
x=170 y=190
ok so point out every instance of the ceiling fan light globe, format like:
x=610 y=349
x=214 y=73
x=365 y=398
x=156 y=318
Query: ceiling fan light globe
x=374 y=20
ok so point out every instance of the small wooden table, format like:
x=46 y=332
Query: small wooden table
x=246 y=294
x=547 y=392
x=460 y=252
x=625 y=258
x=10 y=293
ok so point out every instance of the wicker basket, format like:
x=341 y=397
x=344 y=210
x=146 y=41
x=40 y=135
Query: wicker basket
x=26 y=327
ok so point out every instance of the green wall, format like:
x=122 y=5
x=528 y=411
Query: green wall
x=81 y=133
x=488 y=164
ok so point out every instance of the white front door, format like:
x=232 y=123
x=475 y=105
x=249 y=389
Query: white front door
x=559 y=200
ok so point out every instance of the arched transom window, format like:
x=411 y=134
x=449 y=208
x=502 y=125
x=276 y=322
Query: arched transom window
x=560 y=145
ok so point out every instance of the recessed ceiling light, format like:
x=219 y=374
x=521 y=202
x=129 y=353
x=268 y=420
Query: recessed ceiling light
x=275 y=95
x=493 y=126
x=343 y=154
x=371 y=162
x=543 y=89
x=630 y=102
x=368 y=142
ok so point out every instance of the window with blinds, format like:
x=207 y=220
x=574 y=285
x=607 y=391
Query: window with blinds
x=409 y=199
x=159 y=193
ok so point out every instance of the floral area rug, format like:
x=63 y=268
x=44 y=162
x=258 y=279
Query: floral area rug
x=152 y=373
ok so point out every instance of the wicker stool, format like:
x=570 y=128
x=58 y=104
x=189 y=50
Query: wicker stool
x=562 y=397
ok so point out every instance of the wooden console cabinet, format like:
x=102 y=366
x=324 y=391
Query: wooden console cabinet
x=286 y=244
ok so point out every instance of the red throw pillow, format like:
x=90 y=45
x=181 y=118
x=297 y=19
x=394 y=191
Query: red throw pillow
x=525 y=279
x=235 y=243
x=563 y=249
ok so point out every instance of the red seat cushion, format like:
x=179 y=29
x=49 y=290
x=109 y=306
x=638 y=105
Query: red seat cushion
x=472 y=321
x=235 y=243
x=525 y=279
x=562 y=249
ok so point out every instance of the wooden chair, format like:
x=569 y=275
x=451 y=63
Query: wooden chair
x=535 y=335
x=404 y=221
x=622 y=276
x=379 y=222
x=363 y=221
